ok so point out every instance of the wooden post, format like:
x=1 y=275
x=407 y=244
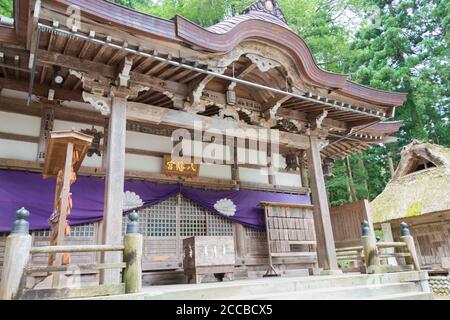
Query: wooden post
x=322 y=221
x=132 y=256
x=239 y=234
x=64 y=208
x=65 y=197
x=409 y=240
x=369 y=244
x=17 y=255
x=115 y=179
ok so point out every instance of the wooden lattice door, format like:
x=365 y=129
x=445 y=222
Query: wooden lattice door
x=166 y=224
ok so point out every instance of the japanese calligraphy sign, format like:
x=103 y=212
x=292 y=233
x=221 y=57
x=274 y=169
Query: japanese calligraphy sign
x=179 y=168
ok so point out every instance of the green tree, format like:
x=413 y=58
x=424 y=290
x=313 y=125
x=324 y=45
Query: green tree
x=6 y=8
x=409 y=53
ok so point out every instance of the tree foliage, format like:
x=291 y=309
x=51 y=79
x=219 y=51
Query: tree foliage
x=6 y=8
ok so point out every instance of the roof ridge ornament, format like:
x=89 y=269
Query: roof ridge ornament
x=267 y=6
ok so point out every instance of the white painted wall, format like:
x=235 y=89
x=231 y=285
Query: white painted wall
x=143 y=163
x=149 y=142
x=215 y=171
x=278 y=161
x=253 y=175
x=92 y=162
x=19 y=124
x=288 y=179
x=18 y=150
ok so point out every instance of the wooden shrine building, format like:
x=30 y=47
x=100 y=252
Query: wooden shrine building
x=139 y=85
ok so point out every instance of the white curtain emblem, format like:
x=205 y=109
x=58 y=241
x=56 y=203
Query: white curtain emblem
x=131 y=201
x=225 y=207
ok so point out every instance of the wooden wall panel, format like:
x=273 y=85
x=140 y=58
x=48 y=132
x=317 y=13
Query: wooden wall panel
x=346 y=222
x=432 y=239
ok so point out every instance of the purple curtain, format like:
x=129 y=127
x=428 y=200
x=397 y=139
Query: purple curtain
x=30 y=190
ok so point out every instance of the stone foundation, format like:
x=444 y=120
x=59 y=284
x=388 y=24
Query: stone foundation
x=440 y=285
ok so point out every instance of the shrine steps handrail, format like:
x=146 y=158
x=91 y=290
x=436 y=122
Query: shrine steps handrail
x=83 y=248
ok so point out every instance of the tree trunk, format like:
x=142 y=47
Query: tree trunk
x=350 y=177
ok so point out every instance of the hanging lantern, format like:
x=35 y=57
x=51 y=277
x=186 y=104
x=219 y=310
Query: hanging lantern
x=327 y=168
x=292 y=161
x=95 y=147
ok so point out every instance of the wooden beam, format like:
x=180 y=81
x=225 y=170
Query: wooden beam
x=41 y=90
x=101 y=71
x=18 y=137
x=16 y=105
x=163 y=116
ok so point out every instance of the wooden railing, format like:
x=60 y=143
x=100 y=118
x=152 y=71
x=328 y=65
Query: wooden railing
x=18 y=252
x=351 y=259
x=367 y=258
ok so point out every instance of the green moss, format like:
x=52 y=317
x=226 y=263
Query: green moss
x=414 y=210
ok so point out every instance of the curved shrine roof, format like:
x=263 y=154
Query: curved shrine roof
x=262 y=20
x=230 y=23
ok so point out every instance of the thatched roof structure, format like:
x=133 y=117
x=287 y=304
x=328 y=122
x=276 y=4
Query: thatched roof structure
x=421 y=184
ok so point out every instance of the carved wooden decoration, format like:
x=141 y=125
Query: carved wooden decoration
x=267 y=6
x=99 y=102
x=263 y=64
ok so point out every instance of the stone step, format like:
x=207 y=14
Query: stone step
x=347 y=286
x=285 y=285
x=405 y=296
x=338 y=293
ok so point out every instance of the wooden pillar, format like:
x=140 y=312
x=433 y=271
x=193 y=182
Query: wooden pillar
x=271 y=178
x=322 y=221
x=303 y=171
x=235 y=165
x=115 y=178
x=239 y=239
x=105 y=144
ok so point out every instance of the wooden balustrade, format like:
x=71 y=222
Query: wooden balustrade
x=367 y=257
x=18 y=251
